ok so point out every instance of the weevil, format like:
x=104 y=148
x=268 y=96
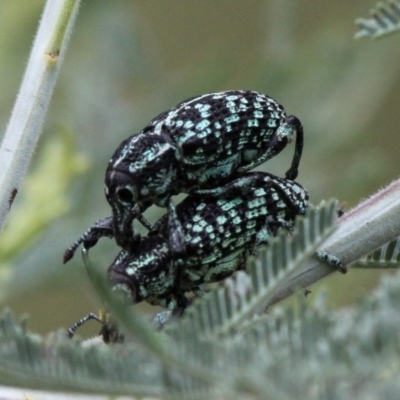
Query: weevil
x=219 y=234
x=194 y=148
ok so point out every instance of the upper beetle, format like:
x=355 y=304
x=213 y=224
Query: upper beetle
x=196 y=147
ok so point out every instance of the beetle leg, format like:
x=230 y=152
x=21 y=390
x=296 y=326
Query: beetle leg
x=101 y=228
x=200 y=291
x=176 y=237
x=176 y=241
x=181 y=303
x=91 y=316
x=109 y=329
x=286 y=130
x=126 y=236
x=161 y=318
x=265 y=234
x=145 y=222
x=175 y=308
x=331 y=260
x=245 y=183
x=294 y=168
x=231 y=189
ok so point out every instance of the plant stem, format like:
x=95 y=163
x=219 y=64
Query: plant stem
x=362 y=230
x=26 y=122
x=12 y=393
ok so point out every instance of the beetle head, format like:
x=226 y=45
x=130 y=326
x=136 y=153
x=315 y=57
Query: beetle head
x=142 y=171
x=146 y=273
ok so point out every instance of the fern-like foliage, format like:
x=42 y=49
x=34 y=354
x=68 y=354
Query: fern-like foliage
x=311 y=353
x=225 y=347
x=384 y=21
x=242 y=297
x=177 y=361
x=316 y=353
x=57 y=363
x=387 y=256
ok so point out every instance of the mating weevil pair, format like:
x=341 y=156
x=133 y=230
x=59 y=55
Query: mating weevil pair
x=204 y=147
x=193 y=148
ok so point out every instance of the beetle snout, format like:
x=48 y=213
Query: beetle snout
x=128 y=286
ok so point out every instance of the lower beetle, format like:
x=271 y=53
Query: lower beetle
x=219 y=235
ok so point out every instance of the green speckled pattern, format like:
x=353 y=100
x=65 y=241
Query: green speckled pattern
x=200 y=143
x=218 y=133
x=219 y=234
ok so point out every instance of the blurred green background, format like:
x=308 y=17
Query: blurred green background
x=130 y=60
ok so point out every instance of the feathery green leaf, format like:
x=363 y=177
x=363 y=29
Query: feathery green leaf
x=387 y=256
x=242 y=297
x=57 y=363
x=384 y=21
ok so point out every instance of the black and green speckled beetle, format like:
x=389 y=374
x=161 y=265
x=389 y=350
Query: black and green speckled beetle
x=196 y=145
x=194 y=148
x=219 y=235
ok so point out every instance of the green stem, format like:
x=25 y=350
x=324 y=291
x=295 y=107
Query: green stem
x=26 y=122
x=61 y=29
x=363 y=229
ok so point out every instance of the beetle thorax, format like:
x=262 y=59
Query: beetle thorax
x=142 y=171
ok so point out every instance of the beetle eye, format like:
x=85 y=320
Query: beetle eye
x=125 y=195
